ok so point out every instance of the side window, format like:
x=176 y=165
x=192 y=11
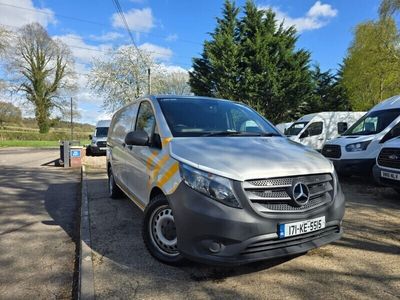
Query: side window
x=146 y=120
x=124 y=121
x=312 y=130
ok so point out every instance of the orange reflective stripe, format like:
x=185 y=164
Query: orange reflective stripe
x=170 y=172
x=165 y=141
x=159 y=165
x=150 y=159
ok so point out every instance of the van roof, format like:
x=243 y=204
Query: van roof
x=103 y=123
x=309 y=117
x=391 y=103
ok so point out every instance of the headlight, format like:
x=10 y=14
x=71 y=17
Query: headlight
x=362 y=146
x=213 y=186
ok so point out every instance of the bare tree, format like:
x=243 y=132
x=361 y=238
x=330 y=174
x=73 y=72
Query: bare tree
x=43 y=70
x=121 y=77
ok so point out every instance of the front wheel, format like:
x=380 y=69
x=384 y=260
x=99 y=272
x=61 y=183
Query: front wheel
x=159 y=232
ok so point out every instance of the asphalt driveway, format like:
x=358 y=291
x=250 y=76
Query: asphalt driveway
x=364 y=264
x=38 y=206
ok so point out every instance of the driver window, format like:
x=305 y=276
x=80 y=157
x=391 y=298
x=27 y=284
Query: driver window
x=314 y=129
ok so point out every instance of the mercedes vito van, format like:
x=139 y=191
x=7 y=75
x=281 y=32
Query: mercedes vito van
x=218 y=183
x=355 y=151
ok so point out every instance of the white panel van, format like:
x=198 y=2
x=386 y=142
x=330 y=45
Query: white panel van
x=356 y=150
x=314 y=130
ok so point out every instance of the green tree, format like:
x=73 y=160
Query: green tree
x=43 y=69
x=255 y=61
x=388 y=8
x=329 y=94
x=216 y=72
x=371 y=67
x=9 y=113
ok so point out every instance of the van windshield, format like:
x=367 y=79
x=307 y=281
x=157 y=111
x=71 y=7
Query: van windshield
x=101 y=132
x=374 y=122
x=189 y=117
x=295 y=128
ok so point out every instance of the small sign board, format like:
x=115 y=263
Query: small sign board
x=75 y=153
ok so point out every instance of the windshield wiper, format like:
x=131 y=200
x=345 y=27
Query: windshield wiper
x=240 y=133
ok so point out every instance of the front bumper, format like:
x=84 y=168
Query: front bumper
x=353 y=166
x=98 y=150
x=385 y=181
x=244 y=235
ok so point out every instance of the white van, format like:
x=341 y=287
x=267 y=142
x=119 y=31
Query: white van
x=314 y=130
x=98 y=143
x=387 y=169
x=356 y=150
x=282 y=127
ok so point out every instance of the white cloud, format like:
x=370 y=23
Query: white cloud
x=138 y=20
x=107 y=37
x=11 y=15
x=157 y=52
x=171 y=37
x=83 y=52
x=316 y=17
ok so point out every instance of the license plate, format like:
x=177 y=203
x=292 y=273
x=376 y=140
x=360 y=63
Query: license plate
x=302 y=227
x=389 y=175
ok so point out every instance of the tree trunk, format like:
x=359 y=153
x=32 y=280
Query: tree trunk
x=42 y=118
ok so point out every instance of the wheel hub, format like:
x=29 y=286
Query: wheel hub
x=163 y=231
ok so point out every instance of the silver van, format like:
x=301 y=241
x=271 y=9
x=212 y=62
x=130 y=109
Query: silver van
x=218 y=183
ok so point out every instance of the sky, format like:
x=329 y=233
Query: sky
x=174 y=31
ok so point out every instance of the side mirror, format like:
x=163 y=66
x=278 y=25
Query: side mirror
x=137 y=138
x=342 y=127
x=90 y=136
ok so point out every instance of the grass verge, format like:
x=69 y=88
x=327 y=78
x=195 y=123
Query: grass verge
x=34 y=144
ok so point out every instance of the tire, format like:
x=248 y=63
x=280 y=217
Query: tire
x=113 y=190
x=159 y=233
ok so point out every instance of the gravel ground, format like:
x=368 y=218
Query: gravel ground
x=364 y=264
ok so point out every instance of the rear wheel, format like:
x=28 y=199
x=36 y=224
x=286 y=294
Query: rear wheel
x=113 y=190
x=159 y=232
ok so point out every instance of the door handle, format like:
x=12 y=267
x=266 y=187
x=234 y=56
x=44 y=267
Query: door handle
x=320 y=139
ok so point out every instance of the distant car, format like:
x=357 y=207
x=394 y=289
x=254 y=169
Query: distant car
x=314 y=130
x=387 y=169
x=356 y=150
x=98 y=141
x=218 y=183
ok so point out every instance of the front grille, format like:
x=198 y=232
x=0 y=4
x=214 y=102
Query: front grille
x=389 y=157
x=274 y=194
x=268 y=245
x=102 y=144
x=331 y=151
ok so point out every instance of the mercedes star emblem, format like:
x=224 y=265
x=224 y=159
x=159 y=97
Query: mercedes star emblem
x=301 y=194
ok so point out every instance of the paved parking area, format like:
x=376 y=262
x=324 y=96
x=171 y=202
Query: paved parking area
x=37 y=225
x=364 y=264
